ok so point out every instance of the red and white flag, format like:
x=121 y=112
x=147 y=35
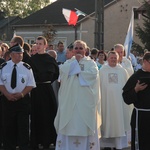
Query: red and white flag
x=71 y=16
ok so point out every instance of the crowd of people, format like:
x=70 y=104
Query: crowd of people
x=72 y=99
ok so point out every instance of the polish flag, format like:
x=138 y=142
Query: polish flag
x=70 y=15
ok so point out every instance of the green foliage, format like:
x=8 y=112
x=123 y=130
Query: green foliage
x=144 y=32
x=138 y=48
x=22 y=8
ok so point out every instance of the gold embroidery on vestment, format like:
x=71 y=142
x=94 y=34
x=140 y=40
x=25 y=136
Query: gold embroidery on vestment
x=76 y=143
x=91 y=145
x=59 y=143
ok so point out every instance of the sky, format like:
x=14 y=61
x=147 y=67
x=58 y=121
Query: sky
x=53 y=0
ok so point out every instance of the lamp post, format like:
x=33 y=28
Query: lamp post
x=99 y=25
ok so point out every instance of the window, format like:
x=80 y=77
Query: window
x=29 y=40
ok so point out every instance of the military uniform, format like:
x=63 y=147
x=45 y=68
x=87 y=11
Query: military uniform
x=1 y=128
x=16 y=113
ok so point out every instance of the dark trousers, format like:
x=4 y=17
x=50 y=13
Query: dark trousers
x=16 y=123
x=1 y=128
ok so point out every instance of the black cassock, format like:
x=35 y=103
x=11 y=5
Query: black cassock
x=140 y=100
x=43 y=101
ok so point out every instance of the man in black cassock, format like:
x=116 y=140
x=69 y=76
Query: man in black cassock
x=43 y=101
x=1 y=129
x=137 y=92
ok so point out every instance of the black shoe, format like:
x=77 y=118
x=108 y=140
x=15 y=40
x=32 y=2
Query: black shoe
x=1 y=146
x=107 y=148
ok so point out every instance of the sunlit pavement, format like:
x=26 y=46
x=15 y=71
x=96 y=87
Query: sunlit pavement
x=52 y=148
x=129 y=148
x=122 y=149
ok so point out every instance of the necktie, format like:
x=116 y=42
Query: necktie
x=13 y=77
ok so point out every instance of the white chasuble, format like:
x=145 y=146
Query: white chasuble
x=79 y=114
x=115 y=113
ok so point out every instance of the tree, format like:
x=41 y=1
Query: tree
x=144 y=32
x=22 y=8
x=137 y=47
x=49 y=33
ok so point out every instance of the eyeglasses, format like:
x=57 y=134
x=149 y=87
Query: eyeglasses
x=80 y=48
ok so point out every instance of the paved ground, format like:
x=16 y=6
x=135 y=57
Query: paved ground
x=54 y=149
x=127 y=148
x=124 y=148
x=101 y=149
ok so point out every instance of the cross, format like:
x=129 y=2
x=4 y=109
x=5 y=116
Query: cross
x=76 y=143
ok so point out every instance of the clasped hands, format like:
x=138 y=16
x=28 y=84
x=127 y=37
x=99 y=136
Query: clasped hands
x=78 y=57
x=14 y=96
x=140 y=86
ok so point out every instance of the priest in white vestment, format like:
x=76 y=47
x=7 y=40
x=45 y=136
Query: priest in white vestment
x=78 y=118
x=115 y=113
x=126 y=64
x=124 y=61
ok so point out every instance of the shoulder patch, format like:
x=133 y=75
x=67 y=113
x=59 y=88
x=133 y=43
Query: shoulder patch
x=2 y=65
x=27 y=66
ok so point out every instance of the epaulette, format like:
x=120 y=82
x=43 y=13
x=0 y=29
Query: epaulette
x=27 y=66
x=2 y=65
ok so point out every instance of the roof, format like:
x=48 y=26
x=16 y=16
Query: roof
x=52 y=14
x=142 y=8
x=8 y=20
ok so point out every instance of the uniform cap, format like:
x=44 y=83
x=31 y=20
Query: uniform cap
x=16 y=48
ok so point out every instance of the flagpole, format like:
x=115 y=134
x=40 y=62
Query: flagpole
x=99 y=25
x=75 y=32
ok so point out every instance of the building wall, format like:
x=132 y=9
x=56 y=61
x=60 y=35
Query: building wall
x=29 y=34
x=117 y=17
x=116 y=21
x=86 y=31
x=65 y=34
